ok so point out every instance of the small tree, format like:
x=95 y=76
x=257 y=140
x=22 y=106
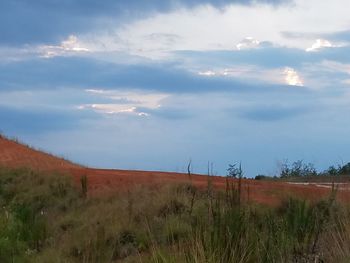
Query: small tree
x=234 y=172
x=233 y=194
x=285 y=171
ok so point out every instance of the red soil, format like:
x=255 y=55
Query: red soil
x=14 y=154
x=270 y=193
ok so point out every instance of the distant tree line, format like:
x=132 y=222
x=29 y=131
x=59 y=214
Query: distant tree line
x=302 y=169
x=338 y=170
x=297 y=169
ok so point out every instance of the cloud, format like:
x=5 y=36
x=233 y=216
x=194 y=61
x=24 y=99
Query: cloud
x=249 y=73
x=112 y=109
x=191 y=72
x=28 y=22
x=68 y=46
x=209 y=73
x=266 y=58
x=76 y=72
x=125 y=102
x=253 y=70
x=225 y=28
x=154 y=29
x=248 y=43
x=292 y=77
x=319 y=44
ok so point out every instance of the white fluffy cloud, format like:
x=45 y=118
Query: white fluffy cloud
x=292 y=77
x=128 y=102
x=319 y=44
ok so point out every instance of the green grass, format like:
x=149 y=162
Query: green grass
x=46 y=218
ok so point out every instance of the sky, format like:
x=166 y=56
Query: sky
x=153 y=84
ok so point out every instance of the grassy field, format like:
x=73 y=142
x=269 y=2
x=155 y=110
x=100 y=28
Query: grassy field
x=48 y=218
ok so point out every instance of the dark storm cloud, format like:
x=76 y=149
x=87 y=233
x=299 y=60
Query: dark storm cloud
x=44 y=21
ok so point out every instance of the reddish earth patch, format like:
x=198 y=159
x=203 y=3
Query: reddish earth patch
x=270 y=193
x=14 y=154
x=17 y=155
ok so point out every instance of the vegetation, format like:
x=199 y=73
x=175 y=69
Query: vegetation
x=47 y=218
x=301 y=171
x=235 y=171
x=339 y=170
x=298 y=169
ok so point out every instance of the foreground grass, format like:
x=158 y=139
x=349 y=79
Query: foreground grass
x=46 y=218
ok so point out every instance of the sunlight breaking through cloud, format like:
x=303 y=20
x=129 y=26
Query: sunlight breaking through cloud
x=292 y=77
x=319 y=44
x=131 y=103
x=113 y=109
x=70 y=45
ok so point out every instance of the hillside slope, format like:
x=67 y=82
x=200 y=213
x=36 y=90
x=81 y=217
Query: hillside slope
x=14 y=154
x=17 y=155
